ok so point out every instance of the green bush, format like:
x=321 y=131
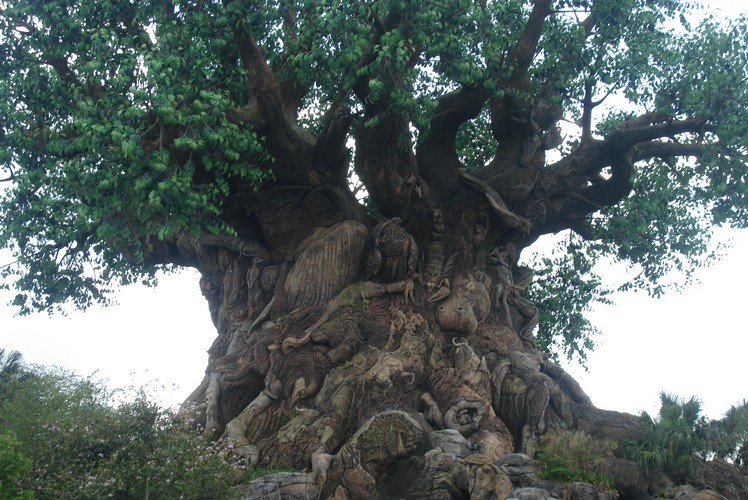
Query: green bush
x=567 y=456
x=84 y=441
x=14 y=466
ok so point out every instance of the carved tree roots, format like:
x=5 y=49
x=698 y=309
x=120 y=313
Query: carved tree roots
x=369 y=376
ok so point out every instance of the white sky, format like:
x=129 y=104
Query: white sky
x=692 y=343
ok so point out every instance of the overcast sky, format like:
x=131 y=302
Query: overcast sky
x=689 y=343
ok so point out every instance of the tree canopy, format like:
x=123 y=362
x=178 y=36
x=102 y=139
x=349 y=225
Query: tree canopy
x=132 y=130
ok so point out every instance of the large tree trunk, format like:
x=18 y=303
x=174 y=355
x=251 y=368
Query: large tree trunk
x=346 y=346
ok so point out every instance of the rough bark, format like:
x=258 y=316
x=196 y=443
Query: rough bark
x=346 y=348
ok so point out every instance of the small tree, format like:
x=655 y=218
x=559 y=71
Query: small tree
x=728 y=437
x=672 y=441
x=10 y=365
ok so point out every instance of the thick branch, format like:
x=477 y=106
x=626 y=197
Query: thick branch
x=384 y=160
x=289 y=144
x=292 y=91
x=614 y=189
x=629 y=136
x=524 y=51
x=650 y=150
x=587 y=107
x=635 y=137
x=330 y=147
x=572 y=188
x=515 y=105
x=262 y=83
x=436 y=152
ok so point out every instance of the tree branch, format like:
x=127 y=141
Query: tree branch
x=514 y=106
x=573 y=187
x=650 y=150
x=286 y=141
x=292 y=91
x=330 y=147
x=384 y=159
x=261 y=83
x=587 y=107
x=438 y=162
x=631 y=134
x=523 y=52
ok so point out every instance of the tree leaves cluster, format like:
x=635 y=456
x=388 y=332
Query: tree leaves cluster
x=132 y=130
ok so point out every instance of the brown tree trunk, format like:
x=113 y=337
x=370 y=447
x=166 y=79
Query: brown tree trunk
x=349 y=347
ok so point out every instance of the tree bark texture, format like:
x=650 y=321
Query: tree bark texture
x=346 y=344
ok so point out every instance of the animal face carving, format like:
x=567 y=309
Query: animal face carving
x=395 y=253
x=467 y=305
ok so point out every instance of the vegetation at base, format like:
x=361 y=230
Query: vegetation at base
x=568 y=456
x=69 y=437
x=679 y=439
x=673 y=440
x=728 y=436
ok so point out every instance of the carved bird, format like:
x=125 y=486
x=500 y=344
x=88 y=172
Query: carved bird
x=395 y=253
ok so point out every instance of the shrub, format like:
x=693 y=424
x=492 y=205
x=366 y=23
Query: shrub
x=14 y=466
x=567 y=456
x=80 y=444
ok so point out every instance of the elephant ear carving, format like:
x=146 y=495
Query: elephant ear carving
x=336 y=253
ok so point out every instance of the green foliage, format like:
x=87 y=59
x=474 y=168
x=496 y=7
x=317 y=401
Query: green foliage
x=80 y=444
x=127 y=124
x=103 y=139
x=564 y=289
x=661 y=233
x=14 y=466
x=673 y=440
x=727 y=437
x=11 y=366
x=567 y=456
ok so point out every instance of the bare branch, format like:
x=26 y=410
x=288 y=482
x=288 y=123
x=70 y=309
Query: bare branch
x=330 y=146
x=261 y=81
x=587 y=107
x=612 y=190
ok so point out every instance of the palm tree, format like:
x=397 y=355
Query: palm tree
x=728 y=436
x=673 y=440
x=11 y=365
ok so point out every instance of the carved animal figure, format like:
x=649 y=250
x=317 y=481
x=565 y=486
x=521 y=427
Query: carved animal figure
x=395 y=253
x=467 y=305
